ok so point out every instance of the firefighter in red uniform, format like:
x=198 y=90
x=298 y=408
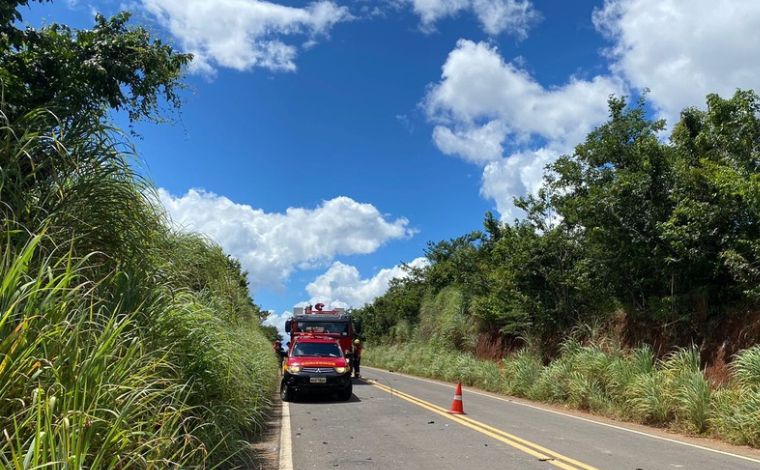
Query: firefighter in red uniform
x=357 y=357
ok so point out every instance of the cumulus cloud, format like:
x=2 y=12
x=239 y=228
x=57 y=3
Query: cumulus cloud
x=342 y=285
x=478 y=84
x=270 y=246
x=682 y=50
x=493 y=113
x=477 y=144
x=242 y=34
x=495 y=16
x=517 y=175
x=278 y=320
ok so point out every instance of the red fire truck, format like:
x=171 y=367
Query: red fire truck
x=312 y=328
x=316 y=320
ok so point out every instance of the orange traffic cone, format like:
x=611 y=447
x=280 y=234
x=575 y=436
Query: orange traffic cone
x=456 y=404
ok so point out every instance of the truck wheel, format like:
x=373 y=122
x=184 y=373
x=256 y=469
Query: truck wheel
x=345 y=394
x=287 y=393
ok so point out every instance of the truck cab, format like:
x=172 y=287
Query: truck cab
x=315 y=363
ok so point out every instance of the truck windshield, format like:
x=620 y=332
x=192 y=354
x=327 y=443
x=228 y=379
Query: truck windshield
x=340 y=328
x=317 y=349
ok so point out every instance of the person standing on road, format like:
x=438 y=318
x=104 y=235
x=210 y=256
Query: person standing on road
x=357 y=357
x=277 y=347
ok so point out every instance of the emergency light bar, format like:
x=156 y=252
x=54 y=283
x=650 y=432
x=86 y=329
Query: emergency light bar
x=308 y=310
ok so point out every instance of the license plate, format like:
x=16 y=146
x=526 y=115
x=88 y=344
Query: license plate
x=318 y=380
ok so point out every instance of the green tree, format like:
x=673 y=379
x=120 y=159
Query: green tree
x=80 y=73
x=456 y=262
x=401 y=303
x=615 y=189
x=65 y=169
x=714 y=228
x=667 y=231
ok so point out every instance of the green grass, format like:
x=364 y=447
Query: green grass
x=79 y=387
x=122 y=343
x=602 y=378
x=443 y=321
x=736 y=410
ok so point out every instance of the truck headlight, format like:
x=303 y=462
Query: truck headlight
x=341 y=370
x=294 y=369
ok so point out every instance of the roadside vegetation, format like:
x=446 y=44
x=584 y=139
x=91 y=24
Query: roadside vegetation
x=629 y=288
x=123 y=343
x=603 y=379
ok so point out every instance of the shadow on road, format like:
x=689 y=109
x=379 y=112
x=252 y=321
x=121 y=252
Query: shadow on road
x=324 y=399
x=356 y=381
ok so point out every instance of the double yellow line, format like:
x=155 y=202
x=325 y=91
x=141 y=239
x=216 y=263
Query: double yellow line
x=539 y=452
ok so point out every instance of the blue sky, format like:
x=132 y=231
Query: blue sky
x=326 y=142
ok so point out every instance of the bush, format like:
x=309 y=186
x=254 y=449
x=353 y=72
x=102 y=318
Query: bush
x=736 y=411
x=687 y=388
x=521 y=372
x=229 y=367
x=746 y=368
x=444 y=322
x=648 y=399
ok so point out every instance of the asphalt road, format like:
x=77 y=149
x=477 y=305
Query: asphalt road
x=395 y=421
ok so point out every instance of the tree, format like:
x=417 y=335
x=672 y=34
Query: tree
x=401 y=303
x=80 y=73
x=666 y=231
x=675 y=225
x=615 y=189
x=456 y=261
x=63 y=166
x=714 y=228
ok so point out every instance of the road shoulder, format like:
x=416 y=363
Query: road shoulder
x=285 y=456
x=265 y=449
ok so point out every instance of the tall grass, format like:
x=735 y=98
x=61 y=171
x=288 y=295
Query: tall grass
x=603 y=378
x=736 y=410
x=79 y=387
x=122 y=343
x=443 y=320
x=232 y=370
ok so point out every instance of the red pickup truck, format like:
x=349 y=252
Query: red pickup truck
x=316 y=363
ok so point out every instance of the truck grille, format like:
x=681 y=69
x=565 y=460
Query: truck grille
x=317 y=370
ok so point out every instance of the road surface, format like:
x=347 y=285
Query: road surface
x=395 y=421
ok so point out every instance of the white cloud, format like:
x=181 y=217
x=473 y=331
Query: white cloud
x=485 y=107
x=495 y=16
x=477 y=85
x=518 y=175
x=683 y=50
x=342 y=285
x=278 y=320
x=242 y=34
x=477 y=144
x=270 y=246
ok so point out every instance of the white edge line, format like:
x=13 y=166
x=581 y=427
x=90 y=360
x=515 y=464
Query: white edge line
x=286 y=447
x=567 y=415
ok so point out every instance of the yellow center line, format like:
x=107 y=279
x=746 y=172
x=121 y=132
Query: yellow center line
x=530 y=448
